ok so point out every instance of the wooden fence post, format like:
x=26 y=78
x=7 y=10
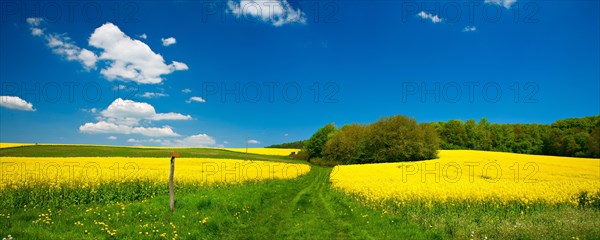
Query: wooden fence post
x=171 y=184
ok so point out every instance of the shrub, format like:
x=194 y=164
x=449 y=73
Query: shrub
x=302 y=155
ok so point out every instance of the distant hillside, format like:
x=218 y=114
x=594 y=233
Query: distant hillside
x=297 y=145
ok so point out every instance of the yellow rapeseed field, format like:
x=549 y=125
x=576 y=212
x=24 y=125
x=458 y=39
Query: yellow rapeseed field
x=265 y=151
x=89 y=170
x=7 y=145
x=473 y=175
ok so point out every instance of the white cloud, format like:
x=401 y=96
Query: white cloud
x=469 y=29
x=150 y=140
x=165 y=131
x=168 y=41
x=130 y=59
x=286 y=134
x=195 y=99
x=62 y=45
x=120 y=108
x=33 y=21
x=176 y=66
x=276 y=12
x=16 y=103
x=104 y=127
x=92 y=110
x=153 y=95
x=252 y=141
x=225 y=142
x=127 y=110
x=429 y=16
x=87 y=58
x=111 y=138
x=126 y=59
x=187 y=90
x=109 y=127
x=170 y=116
x=37 y=31
x=126 y=117
x=199 y=140
x=143 y=36
x=505 y=3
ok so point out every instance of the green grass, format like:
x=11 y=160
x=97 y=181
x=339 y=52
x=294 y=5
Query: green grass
x=302 y=208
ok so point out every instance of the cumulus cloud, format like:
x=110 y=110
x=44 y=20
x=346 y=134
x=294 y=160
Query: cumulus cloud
x=187 y=90
x=104 y=127
x=199 y=140
x=143 y=36
x=164 y=131
x=170 y=116
x=127 y=117
x=275 y=12
x=505 y=3
x=429 y=16
x=128 y=109
x=195 y=99
x=130 y=59
x=252 y=141
x=111 y=138
x=109 y=127
x=168 y=41
x=126 y=59
x=153 y=95
x=152 y=141
x=16 y=103
x=62 y=45
x=469 y=29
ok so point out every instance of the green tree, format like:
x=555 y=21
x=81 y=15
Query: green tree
x=347 y=145
x=483 y=130
x=453 y=135
x=399 y=138
x=315 y=145
x=594 y=143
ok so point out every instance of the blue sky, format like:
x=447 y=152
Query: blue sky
x=293 y=67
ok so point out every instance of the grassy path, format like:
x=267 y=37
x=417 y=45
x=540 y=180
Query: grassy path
x=308 y=209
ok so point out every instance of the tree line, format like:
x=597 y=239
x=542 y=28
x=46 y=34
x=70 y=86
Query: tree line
x=400 y=138
x=573 y=137
x=296 y=145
